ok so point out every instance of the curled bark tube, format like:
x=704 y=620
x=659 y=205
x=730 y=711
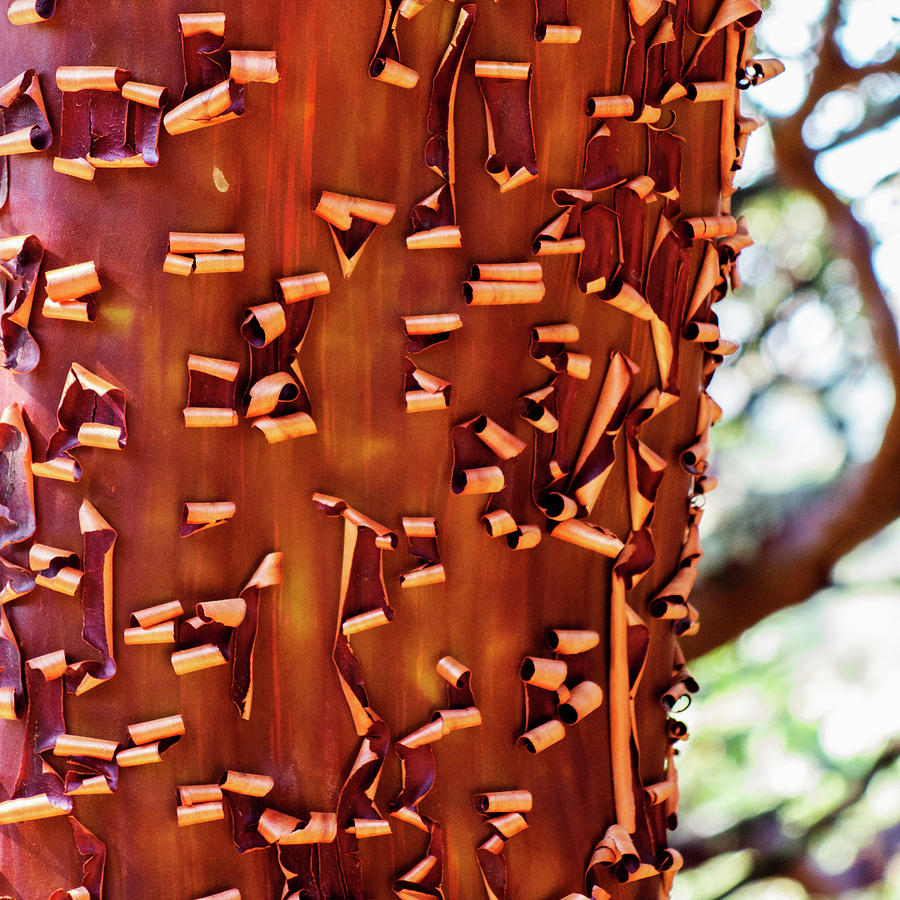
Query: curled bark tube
x=569 y=641
x=546 y=735
x=503 y=802
x=584 y=698
x=757 y=71
x=200 y=813
x=708 y=91
x=544 y=673
x=29 y=12
x=609 y=107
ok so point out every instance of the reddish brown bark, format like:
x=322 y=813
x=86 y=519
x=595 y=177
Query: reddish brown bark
x=327 y=126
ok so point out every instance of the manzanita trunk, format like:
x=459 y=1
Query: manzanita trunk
x=412 y=634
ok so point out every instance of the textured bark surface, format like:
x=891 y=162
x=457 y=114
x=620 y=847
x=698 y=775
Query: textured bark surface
x=327 y=125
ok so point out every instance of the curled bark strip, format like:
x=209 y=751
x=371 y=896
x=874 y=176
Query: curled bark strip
x=221 y=103
x=485 y=458
x=568 y=641
x=645 y=466
x=108 y=121
x=548 y=347
x=309 y=871
x=315 y=828
x=193 y=794
x=694 y=459
x=434 y=218
x=30 y=12
x=758 y=71
x=490 y=853
x=211 y=389
x=548 y=674
x=70 y=293
x=671 y=601
x=267 y=574
x=80 y=745
x=708 y=91
x=744 y=126
x=618 y=106
x=555 y=690
x=549 y=411
x=197 y=516
x=20 y=260
x=92 y=853
x=664 y=167
x=12 y=694
x=709 y=285
x=656 y=86
x=632 y=199
x=492 y=284
x=363 y=604
x=426 y=331
x=627 y=299
x=440 y=147
x=242 y=794
x=385 y=64
x=677 y=697
x=421 y=533
x=97 y=602
x=24 y=127
x=222 y=631
x=203 y=254
x=200 y=813
x=301 y=846
x=423 y=391
x=552 y=23
x=155 y=624
x=423 y=880
x=474 y=461
x=563 y=233
x=629 y=641
x=147 y=741
x=729 y=249
x=506 y=89
x=602 y=255
x=583 y=699
x=351 y=221
x=58 y=570
x=201 y=648
x=616 y=848
x=214 y=77
x=597 y=453
x=601 y=157
x=357 y=815
x=635 y=77
x=39 y=792
x=668 y=283
x=153 y=615
x=418 y=774
x=17 y=517
x=363 y=593
x=741 y=14
x=276 y=394
x=707 y=227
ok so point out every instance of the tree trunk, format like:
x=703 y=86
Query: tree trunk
x=328 y=126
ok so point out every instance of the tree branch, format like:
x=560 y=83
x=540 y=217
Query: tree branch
x=876 y=118
x=780 y=855
x=795 y=561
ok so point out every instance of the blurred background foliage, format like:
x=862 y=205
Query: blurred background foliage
x=790 y=784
